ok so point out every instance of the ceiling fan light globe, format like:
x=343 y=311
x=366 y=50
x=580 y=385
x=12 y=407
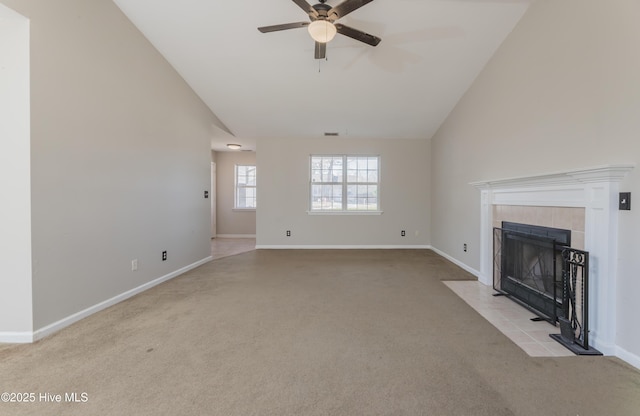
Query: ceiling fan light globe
x=322 y=31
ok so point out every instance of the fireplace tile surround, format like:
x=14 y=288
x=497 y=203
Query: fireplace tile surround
x=567 y=218
x=584 y=201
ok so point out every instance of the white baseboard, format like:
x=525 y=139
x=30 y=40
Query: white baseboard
x=235 y=236
x=27 y=337
x=605 y=348
x=627 y=356
x=458 y=263
x=616 y=351
x=339 y=247
x=10 y=337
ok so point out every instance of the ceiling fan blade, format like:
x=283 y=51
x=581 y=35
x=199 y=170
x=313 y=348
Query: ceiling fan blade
x=321 y=50
x=306 y=7
x=357 y=34
x=346 y=7
x=275 y=28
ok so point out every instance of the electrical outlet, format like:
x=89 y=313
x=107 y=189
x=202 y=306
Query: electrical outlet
x=403 y=233
x=164 y=255
x=464 y=247
x=134 y=265
x=206 y=194
x=288 y=233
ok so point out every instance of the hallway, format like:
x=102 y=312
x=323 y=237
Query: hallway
x=224 y=247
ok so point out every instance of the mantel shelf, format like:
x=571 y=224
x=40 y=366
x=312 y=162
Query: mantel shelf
x=607 y=173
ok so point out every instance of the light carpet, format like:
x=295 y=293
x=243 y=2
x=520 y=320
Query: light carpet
x=307 y=332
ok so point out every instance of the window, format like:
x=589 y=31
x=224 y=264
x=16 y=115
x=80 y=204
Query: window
x=344 y=183
x=245 y=187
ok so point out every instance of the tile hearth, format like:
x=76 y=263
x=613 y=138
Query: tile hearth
x=511 y=319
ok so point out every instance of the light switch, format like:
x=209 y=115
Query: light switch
x=625 y=201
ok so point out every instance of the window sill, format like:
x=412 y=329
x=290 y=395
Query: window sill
x=244 y=209
x=345 y=212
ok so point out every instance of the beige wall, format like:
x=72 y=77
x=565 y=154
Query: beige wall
x=283 y=195
x=561 y=93
x=120 y=158
x=232 y=222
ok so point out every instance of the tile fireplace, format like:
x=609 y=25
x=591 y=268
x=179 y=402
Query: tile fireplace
x=584 y=201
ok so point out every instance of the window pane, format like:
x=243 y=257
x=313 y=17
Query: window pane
x=326 y=197
x=251 y=175
x=362 y=197
x=333 y=169
x=352 y=197
x=362 y=169
x=246 y=198
x=326 y=169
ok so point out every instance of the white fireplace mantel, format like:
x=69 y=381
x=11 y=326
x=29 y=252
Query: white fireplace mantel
x=596 y=190
x=608 y=173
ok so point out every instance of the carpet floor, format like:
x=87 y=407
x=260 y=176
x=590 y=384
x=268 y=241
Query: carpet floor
x=306 y=332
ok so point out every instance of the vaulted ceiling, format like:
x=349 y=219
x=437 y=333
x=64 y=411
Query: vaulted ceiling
x=263 y=85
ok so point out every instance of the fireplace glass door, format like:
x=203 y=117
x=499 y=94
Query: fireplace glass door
x=528 y=266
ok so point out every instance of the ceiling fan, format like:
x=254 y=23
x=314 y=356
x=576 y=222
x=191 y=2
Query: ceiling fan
x=322 y=26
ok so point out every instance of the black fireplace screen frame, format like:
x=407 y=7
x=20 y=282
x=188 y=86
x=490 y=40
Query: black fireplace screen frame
x=528 y=267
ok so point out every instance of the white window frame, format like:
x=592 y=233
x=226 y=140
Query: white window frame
x=237 y=187
x=344 y=184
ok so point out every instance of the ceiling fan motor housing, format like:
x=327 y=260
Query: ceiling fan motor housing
x=323 y=12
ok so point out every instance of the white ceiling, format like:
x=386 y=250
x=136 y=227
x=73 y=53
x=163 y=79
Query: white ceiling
x=263 y=85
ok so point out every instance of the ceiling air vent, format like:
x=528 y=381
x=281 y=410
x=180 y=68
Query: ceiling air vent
x=328 y=133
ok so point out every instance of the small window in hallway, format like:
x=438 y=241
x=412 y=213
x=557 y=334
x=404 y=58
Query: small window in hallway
x=245 y=187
